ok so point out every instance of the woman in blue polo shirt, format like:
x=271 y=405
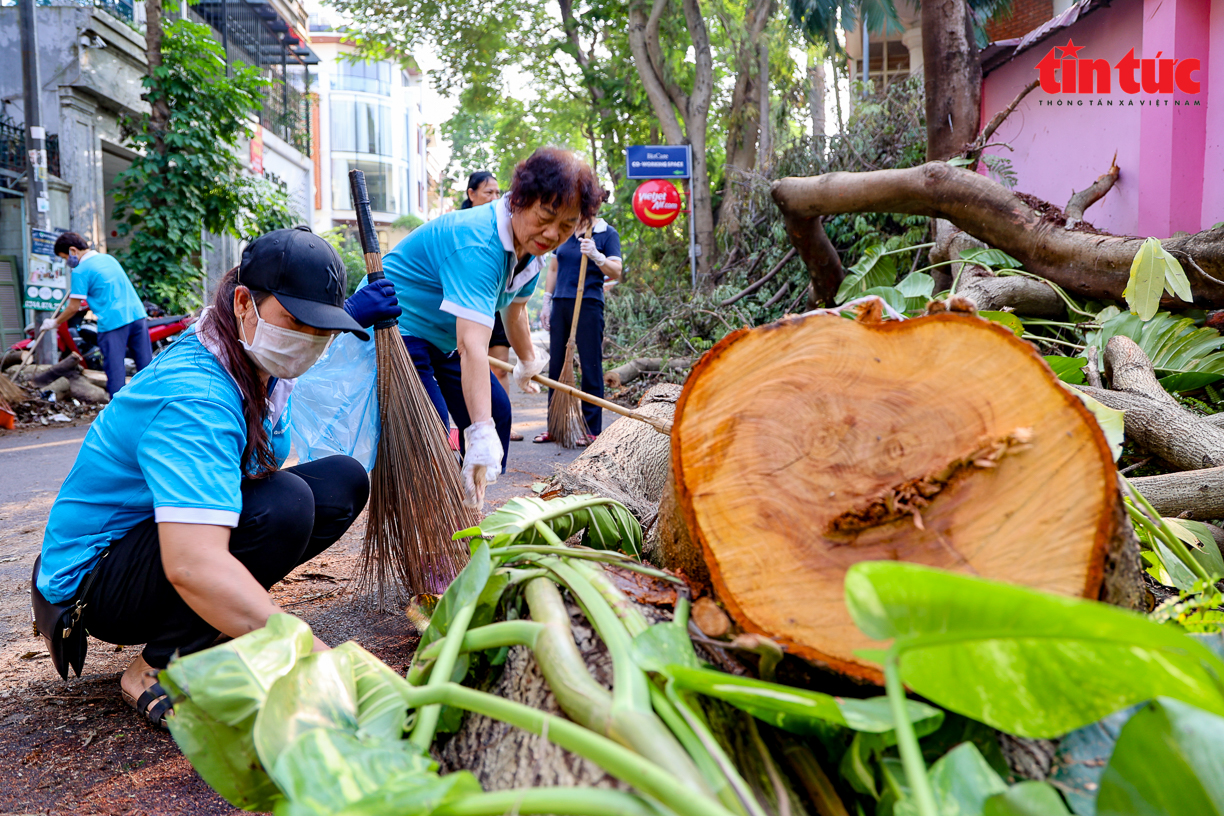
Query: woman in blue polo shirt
x=456 y=272
x=176 y=505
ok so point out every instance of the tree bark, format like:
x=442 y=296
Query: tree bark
x=1199 y=494
x=1091 y=194
x=630 y=371
x=765 y=143
x=952 y=76
x=1089 y=265
x=816 y=90
x=1024 y=296
x=819 y=256
x=795 y=455
x=743 y=113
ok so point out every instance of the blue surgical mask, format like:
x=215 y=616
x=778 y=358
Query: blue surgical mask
x=73 y=260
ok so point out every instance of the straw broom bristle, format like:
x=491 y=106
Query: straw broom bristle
x=11 y=392
x=566 y=424
x=416 y=496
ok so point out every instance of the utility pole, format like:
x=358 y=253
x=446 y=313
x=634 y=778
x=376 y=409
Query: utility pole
x=38 y=205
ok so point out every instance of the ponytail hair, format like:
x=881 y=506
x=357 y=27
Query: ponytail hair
x=221 y=324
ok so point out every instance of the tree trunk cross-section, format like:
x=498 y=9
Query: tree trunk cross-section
x=806 y=446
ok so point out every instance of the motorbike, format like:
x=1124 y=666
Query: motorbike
x=79 y=336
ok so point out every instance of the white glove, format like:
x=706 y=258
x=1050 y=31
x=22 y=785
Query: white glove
x=48 y=325
x=481 y=462
x=587 y=245
x=546 y=312
x=525 y=370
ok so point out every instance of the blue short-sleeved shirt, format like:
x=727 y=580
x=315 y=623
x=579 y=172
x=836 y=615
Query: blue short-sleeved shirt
x=168 y=446
x=99 y=279
x=459 y=265
x=569 y=260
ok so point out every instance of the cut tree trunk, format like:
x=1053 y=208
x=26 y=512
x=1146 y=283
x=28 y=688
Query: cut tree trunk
x=630 y=371
x=1085 y=263
x=806 y=446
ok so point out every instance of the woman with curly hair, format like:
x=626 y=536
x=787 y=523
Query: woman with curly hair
x=455 y=273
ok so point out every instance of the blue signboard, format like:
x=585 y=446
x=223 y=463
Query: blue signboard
x=658 y=161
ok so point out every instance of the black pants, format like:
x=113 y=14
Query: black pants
x=589 y=341
x=287 y=519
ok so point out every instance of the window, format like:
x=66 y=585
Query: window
x=379 y=178
x=368 y=77
x=360 y=127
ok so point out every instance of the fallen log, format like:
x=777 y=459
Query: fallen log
x=803 y=447
x=1088 y=264
x=1196 y=494
x=630 y=371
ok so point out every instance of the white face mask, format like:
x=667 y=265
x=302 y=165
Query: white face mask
x=283 y=353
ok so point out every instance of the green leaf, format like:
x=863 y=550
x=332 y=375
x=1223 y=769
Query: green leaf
x=1184 y=355
x=855 y=766
x=874 y=268
x=993 y=258
x=1068 y=369
x=1167 y=761
x=1111 y=420
x=468 y=586
x=1147 y=280
x=890 y=296
x=961 y=781
x=415 y=795
x=1027 y=799
x=800 y=711
x=662 y=646
x=1006 y=319
x=918 y=284
x=608 y=523
x=1025 y=662
x=1201 y=543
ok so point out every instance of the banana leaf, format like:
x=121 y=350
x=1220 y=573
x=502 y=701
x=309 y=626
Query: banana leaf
x=1025 y=662
x=608 y=524
x=1184 y=355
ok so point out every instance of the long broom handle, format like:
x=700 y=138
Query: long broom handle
x=367 y=234
x=660 y=425
x=582 y=267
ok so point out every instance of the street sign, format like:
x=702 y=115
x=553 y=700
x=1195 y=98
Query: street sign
x=658 y=161
x=45 y=284
x=656 y=203
x=42 y=242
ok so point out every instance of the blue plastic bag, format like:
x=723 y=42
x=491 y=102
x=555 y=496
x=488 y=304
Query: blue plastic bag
x=335 y=403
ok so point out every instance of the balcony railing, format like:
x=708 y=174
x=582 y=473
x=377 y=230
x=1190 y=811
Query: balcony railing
x=13 y=157
x=122 y=9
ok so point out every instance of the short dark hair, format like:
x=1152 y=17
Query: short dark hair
x=555 y=177
x=474 y=181
x=69 y=239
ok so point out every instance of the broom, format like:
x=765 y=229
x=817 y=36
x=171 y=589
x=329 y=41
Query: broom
x=416 y=497
x=566 y=425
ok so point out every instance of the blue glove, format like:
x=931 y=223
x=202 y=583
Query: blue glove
x=373 y=303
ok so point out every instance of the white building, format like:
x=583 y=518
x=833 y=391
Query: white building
x=369 y=119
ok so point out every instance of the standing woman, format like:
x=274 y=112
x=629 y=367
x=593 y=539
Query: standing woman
x=176 y=508
x=456 y=272
x=603 y=254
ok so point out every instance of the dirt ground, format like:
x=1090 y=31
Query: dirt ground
x=76 y=748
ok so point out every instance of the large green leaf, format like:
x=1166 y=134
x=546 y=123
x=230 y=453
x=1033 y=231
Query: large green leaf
x=466 y=588
x=1023 y=661
x=1111 y=420
x=993 y=258
x=874 y=268
x=800 y=711
x=889 y=295
x=414 y=795
x=1184 y=355
x=1168 y=760
x=218 y=692
x=608 y=523
x=1068 y=369
x=1007 y=320
x=1147 y=280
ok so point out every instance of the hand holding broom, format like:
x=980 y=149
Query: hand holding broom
x=566 y=425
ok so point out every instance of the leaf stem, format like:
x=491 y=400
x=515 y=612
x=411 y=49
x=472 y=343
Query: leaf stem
x=539 y=801
x=907 y=741
x=427 y=718
x=490 y=636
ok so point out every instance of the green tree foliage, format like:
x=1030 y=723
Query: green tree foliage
x=188 y=178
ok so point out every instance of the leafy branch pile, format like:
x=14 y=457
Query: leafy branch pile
x=273 y=727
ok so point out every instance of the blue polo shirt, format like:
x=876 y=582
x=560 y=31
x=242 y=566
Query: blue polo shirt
x=99 y=279
x=459 y=265
x=168 y=446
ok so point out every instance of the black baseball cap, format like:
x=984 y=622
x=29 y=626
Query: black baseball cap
x=305 y=273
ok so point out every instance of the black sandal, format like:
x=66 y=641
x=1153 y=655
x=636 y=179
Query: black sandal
x=154 y=704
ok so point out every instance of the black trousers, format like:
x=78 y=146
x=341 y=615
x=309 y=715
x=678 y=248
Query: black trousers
x=287 y=519
x=589 y=341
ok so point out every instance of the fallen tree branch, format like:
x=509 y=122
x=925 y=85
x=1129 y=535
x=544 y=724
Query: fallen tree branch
x=783 y=290
x=630 y=371
x=974 y=153
x=1198 y=493
x=824 y=265
x=1092 y=371
x=1091 y=194
x=752 y=287
x=1089 y=265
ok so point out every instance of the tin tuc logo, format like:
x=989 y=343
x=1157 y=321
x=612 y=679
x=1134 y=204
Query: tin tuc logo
x=1067 y=73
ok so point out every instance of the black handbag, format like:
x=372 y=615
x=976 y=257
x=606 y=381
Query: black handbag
x=60 y=625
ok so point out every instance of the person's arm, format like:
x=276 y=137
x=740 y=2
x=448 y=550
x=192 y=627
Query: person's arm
x=473 y=343
x=215 y=584
x=550 y=280
x=74 y=306
x=518 y=329
x=611 y=269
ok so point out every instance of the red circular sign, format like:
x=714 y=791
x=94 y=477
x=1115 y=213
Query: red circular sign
x=656 y=203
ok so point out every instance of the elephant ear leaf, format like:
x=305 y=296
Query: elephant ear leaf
x=608 y=523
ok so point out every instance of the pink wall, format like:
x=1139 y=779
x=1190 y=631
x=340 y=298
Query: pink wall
x=1171 y=168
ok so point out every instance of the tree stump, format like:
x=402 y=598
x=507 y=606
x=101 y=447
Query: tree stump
x=806 y=446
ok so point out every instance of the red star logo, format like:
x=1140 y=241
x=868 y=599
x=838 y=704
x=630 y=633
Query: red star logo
x=1070 y=50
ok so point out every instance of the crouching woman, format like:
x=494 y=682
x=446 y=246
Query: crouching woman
x=177 y=508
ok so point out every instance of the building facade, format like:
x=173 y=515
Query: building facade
x=369 y=118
